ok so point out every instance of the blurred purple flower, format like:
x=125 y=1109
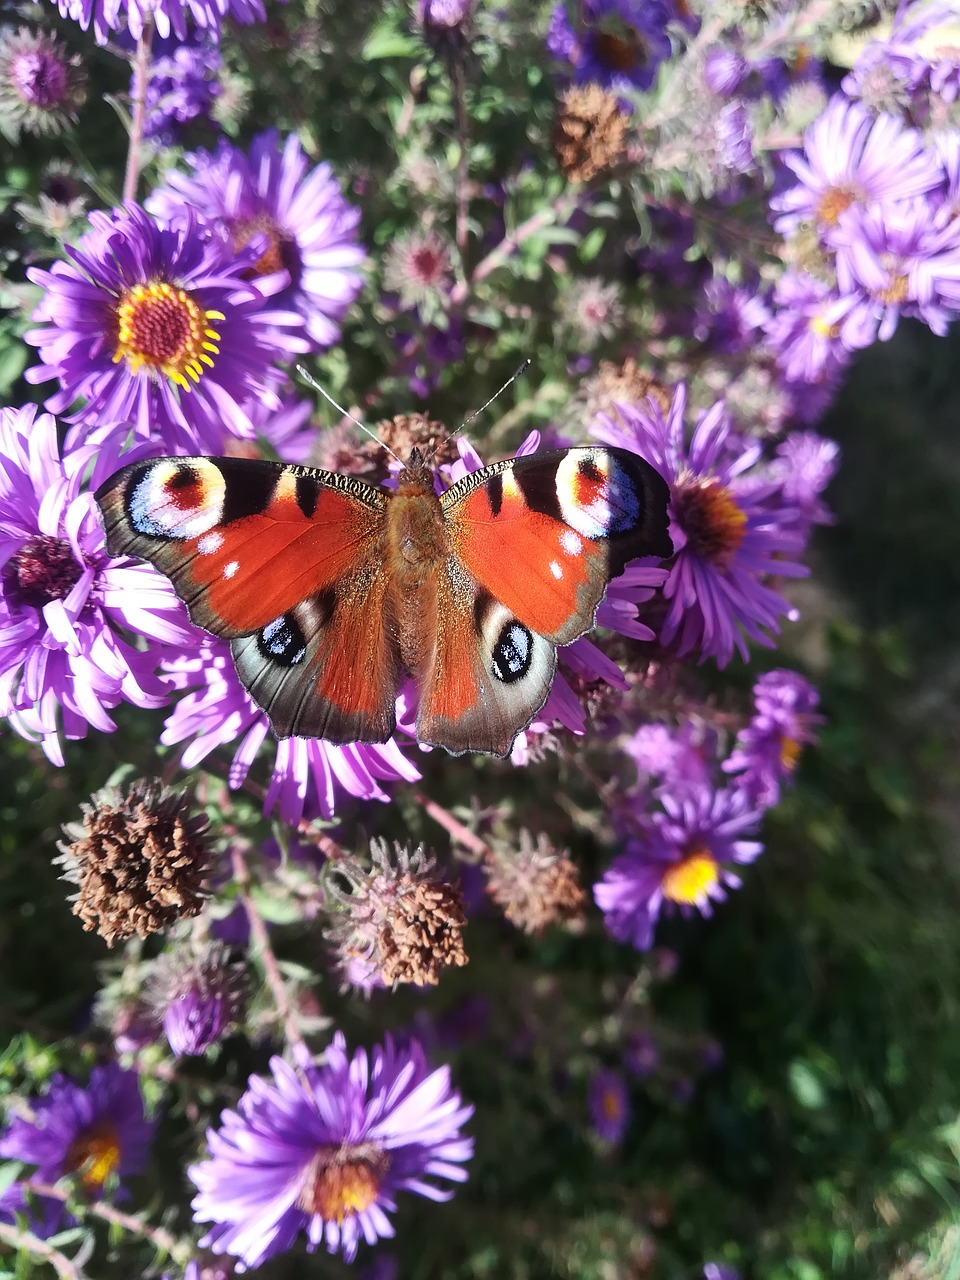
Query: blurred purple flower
x=681 y=860
x=197 y=996
x=609 y=1105
x=272 y=192
x=166 y=15
x=97 y=1131
x=728 y=316
x=620 y=46
x=901 y=260
x=182 y=87
x=725 y=69
x=850 y=160
x=159 y=327
x=804 y=466
x=676 y=758
x=66 y=608
x=720 y=1271
x=641 y=1056
x=804 y=329
x=325 y=1150
x=767 y=750
x=729 y=528
x=307 y=773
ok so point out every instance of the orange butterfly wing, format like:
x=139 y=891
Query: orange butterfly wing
x=285 y=562
x=536 y=541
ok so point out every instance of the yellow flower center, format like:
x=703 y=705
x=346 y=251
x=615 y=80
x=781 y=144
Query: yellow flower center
x=690 y=880
x=344 y=1182
x=832 y=203
x=713 y=521
x=161 y=328
x=271 y=260
x=790 y=750
x=895 y=292
x=94 y=1155
x=822 y=328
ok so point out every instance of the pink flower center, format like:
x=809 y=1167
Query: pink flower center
x=40 y=78
x=44 y=569
x=710 y=516
x=342 y=1181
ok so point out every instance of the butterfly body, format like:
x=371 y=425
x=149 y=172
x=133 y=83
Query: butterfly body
x=333 y=592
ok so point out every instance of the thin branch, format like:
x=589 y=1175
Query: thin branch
x=180 y=1250
x=37 y=1248
x=463 y=835
x=141 y=74
x=461 y=120
x=278 y=988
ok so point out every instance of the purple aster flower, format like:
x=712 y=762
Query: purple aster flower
x=641 y=1056
x=159 y=327
x=804 y=466
x=734 y=134
x=728 y=527
x=197 y=997
x=307 y=773
x=680 y=861
x=676 y=758
x=609 y=1105
x=272 y=191
x=41 y=84
x=67 y=610
x=851 y=159
x=720 y=1271
x=182 y=87
x=325 y=1151
x=98 y=1131
x=893 y=261
x=804 y=328
x=767 y=750
x=444 y=14
x=166 y=15
x=621 y=45
x=729 y=316
x=725 y=70
x=288 y=431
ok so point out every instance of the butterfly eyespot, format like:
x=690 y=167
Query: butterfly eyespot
x=597 y=497
x=282 y=641
x=179 y=500
x=513 y=652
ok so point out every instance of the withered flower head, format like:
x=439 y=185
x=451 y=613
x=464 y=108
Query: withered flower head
x=625 y=383
x=590 y=132
x=138 y=860
x=398 y=916
x=409 y=431
x=535 y=885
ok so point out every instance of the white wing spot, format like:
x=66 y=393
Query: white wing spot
x=556 y=569
x=230 y=569
x=210 y=543
x=571 y=542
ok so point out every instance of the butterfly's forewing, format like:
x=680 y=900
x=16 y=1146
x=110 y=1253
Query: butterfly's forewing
x=536 y=541
x=286 y=562
x=544 y=534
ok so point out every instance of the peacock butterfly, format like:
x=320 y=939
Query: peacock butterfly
x=331 y=591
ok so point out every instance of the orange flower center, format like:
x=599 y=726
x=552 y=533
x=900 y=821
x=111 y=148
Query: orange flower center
x=271 y=260
x=161 y=328
x=832 y=203
x=789 y=753
x=94 y=1155
x=342 y=1182
x=611 y=1104
x=690 y=880
x=711 y=518
x=895 y=292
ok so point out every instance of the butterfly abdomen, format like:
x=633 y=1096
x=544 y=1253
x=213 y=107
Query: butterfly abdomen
x=417 y=543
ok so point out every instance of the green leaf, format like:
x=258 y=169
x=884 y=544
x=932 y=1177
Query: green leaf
x=386 y=41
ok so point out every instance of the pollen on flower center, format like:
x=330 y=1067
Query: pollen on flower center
x=44 y=569
x=896 y=291
x=273 y=258
x=94 y=1155
x=691 y=880
x=162 y=328
x=822 y=328
x=343 y=1182
x=832 y=203
x=711 y=518
x=790 y=750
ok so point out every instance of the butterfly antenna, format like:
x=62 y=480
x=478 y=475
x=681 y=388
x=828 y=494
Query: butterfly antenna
x=477 y=412
x=311 y=381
